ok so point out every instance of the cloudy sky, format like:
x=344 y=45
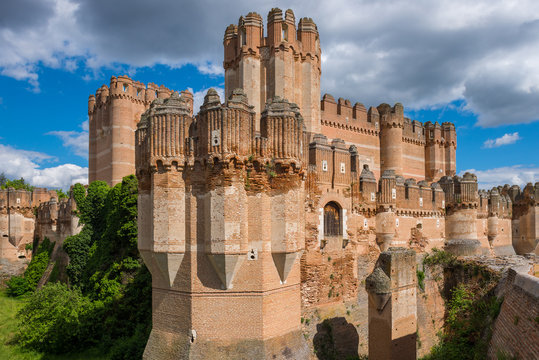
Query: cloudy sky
x=472 y=63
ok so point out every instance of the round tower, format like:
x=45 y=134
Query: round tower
x=391 y=125
x=461 y=217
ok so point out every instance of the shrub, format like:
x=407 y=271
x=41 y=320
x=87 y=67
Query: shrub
x=439 y=257
x=421 y=279
x=54 y=320
x=17 y=286
x=39 y=263
x=77 y=248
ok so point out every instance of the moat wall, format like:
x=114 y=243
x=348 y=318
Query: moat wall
x=516 y=331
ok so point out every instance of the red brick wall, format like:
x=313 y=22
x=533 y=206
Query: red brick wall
x=516 y=331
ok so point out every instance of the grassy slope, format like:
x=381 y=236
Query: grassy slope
x=8 y=326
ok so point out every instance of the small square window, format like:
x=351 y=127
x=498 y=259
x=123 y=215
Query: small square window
x=365 y=223
x=324 y=165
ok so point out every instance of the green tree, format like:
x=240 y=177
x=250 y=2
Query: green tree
x=55 y=319
x=107 y=277
x=61 y=194
x=19 y=184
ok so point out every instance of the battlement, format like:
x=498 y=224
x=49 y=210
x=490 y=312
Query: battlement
x=15 y=199
x=408 y=195
x=266 y=66
x=167 y=135
x=247 y=37
x=55 y=211
x=460 y=192
x=22 y=199
x=124 y=87
x=494 y=203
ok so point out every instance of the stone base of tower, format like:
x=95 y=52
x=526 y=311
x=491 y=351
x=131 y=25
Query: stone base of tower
x=164 y=345
x=463 y=247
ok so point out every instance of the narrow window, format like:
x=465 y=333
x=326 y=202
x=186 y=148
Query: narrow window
x=284 y=34
x=332 y=219
x=343 y=168
x=243 y=37
x=125 y=88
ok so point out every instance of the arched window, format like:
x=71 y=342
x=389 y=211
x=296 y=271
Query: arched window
x=332 y=219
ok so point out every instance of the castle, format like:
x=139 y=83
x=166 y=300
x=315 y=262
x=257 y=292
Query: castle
x=246 y=208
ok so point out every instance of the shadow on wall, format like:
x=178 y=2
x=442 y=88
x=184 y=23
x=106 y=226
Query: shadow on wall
x=336 y=338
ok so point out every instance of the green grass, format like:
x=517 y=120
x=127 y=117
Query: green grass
x=8 y=325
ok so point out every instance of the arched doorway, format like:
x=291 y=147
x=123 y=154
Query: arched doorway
x=332 y=219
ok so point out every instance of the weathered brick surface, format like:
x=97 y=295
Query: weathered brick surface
x=516 y=331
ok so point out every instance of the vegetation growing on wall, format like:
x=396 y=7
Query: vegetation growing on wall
x=20 y=285
x=108 y=301
x=471 y=307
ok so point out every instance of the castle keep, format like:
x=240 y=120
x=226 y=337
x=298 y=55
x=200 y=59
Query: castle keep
x=270 y=202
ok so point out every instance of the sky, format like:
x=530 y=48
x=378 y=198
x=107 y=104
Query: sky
x=475 y=64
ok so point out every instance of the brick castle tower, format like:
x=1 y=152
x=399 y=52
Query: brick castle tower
x=221 y=228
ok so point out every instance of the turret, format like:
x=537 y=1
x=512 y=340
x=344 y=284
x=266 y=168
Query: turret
x=450 y=148
x=461 y=218
x=277 y=65
x=391 y=125
x=435 y=153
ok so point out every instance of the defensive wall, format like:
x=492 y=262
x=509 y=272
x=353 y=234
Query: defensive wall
x=26 y=218
x=516 y=331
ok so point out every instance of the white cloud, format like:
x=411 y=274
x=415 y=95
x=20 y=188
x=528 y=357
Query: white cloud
x=422 y=53
x=198 y=97
x=77 y=141
x=512 y=175
x=209 y=68
x=506 y=139
x=15 y=163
